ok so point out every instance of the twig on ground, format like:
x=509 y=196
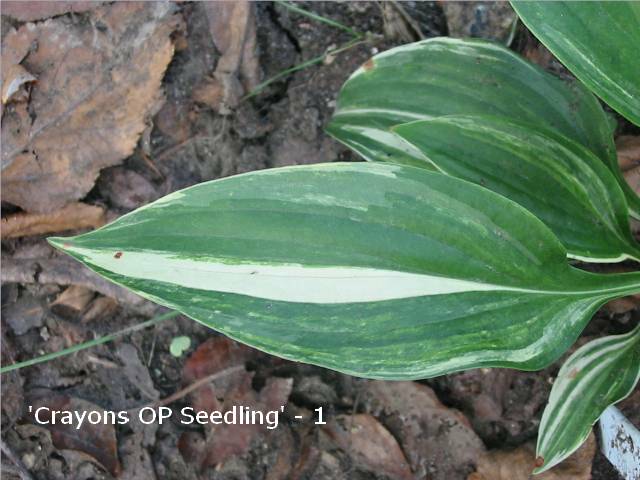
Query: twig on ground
x=90 y=343
x=190 y=388
x=303 y=65
x=319 y=18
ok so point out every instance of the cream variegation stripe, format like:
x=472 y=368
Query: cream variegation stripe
x=288 y=282
x=386 y=138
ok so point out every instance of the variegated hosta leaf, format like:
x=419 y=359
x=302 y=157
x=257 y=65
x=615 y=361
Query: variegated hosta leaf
x=598 y=41
x=446 y=76
x=558 y=180
x=597 y=375
x=376 y=270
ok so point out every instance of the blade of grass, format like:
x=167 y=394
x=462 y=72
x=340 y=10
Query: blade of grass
x=318 y=18
x=90 y=343
x=301 y=66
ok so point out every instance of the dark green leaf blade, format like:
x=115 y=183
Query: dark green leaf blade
x=558 y=180
x=599 y=374
x=598 y=41
x=446 y=76
x=376 y=270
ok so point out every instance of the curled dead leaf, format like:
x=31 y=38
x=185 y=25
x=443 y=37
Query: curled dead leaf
x=233 y=29
x=13 y=82
x=72 y=217
x=98 y=80
x=73 y=301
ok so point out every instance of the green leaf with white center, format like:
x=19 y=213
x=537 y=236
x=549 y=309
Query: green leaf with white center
x=556 y=179
x=376 y=270
x=598 y=41
x=597 y=375
x=446 y=76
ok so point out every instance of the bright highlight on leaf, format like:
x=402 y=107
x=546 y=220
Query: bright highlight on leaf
x=558 y=180
x=445 y=76
x=375 y=270
x=597 y=41
x=597 y=375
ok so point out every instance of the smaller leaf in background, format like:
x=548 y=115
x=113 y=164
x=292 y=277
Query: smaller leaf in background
x=598 y=41
x=556 y=179
x=448 y=76
x=179 y=345
x=597 y=375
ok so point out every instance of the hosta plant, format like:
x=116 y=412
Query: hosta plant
x=449 y=250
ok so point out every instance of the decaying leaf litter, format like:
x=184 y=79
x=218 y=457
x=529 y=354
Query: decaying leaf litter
x=106 y=107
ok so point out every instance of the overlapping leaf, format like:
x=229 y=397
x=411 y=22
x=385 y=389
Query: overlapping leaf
x=376 y=270
x=445 y=76
x=597 y=375
x=558 y=180
x=597 y=41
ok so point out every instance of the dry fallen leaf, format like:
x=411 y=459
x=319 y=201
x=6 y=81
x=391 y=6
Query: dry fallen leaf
x=519 y=463
x=438 y=442
x=72 y=302
x=13 y=81
x=221 y=442
x=623 y=305
x=72 y=217
x=370 y=445
x=37 y=10
x=96 y=440
x=398 y=24
x=232 y=26
x=483 y=19
x=214 y=355
x=628 y=148
x=100 y=308
x=225 y=441
x=99 y=78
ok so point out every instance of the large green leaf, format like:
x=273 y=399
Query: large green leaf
x=598 y=41
x=558 y=180
x=597 y=375
x=376 y=270
x=446 y=76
